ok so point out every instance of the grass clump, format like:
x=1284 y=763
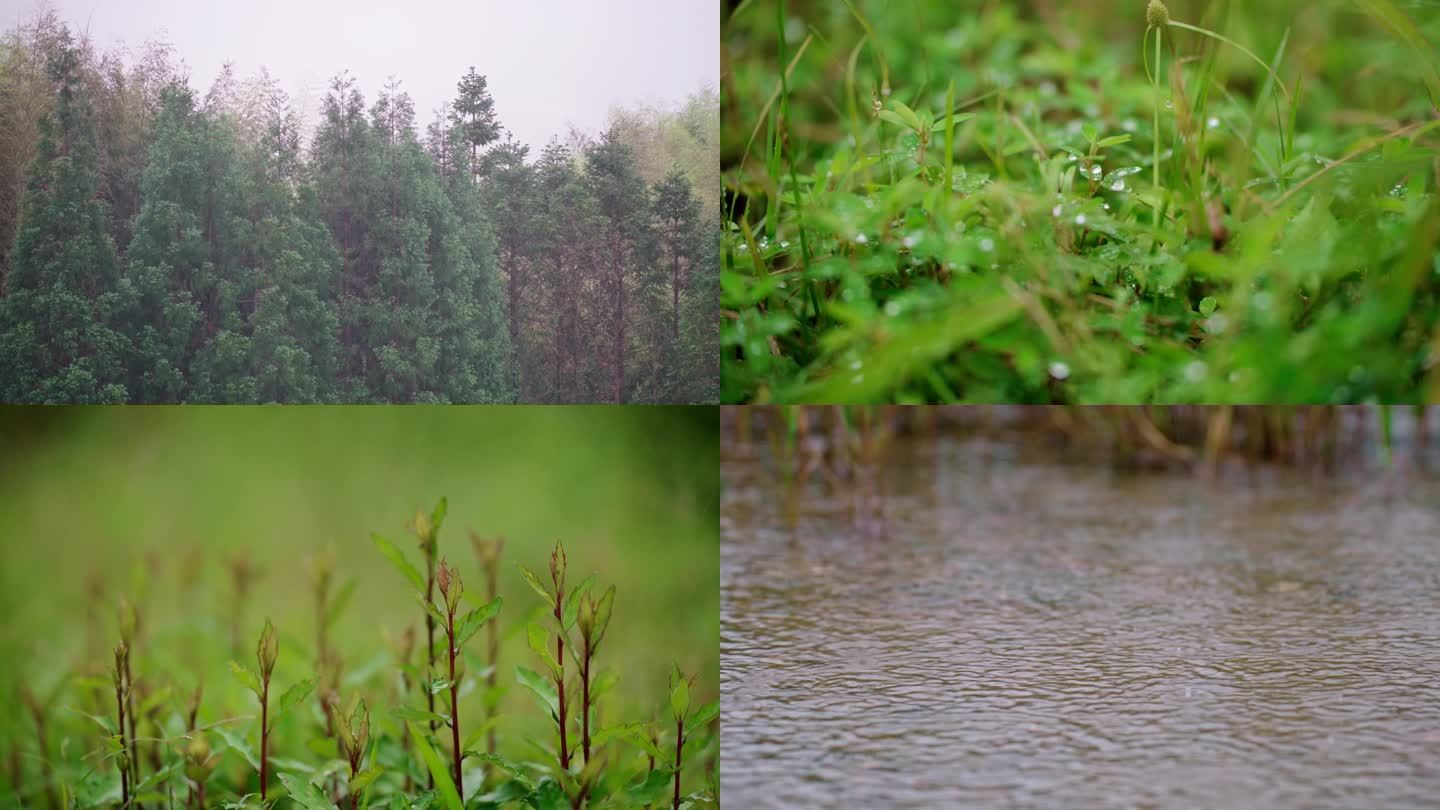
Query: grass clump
x=1021 y=206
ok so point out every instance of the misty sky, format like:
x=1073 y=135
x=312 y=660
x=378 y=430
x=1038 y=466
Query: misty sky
x=549 y=62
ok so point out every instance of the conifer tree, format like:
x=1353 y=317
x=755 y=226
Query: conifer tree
x=623 y=201
x=509 y=194
x=57 y=343
x=677 y=225
x=184 y=284
x=473 y=115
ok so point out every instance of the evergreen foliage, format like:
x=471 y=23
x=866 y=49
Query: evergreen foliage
x=173 y=247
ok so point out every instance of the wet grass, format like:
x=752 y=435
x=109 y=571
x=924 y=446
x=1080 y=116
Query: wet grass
x=1052 y=203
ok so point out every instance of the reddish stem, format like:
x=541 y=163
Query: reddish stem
x=585 y=702
x=679 y=744
x=455 y=710
x=560 y=679
x=430 y=645
x=264 y=734
x=124 y=770
x=130 y=711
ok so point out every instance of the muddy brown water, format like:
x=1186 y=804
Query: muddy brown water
x=1038 y=634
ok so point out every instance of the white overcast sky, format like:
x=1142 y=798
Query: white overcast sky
x=550 y=63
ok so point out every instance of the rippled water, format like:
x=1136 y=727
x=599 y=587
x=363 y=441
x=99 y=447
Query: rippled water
x=1032 y=634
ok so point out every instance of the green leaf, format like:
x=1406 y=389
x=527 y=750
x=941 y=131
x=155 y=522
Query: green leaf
x=418 y=715
x=437 y=517
x=305 y=794
x=544 y=689
x=438 y=771
x=534 y=583
x=1113 y=140
x=908 y=115
x=886 y=115
x=234 y=741
x=539 y=641
x=550 y=796
x=363 y=779
x=680 y=697
x=246 y=677
x=958 y=118
x=603 y=609
x=431 y=609
x=1207 y=305
x=572 y=602
x=476 y=619
x=340 y=601
x=702 y=716
x=287 y=701
x=397 y=558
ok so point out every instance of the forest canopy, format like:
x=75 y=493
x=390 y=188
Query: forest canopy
x=159 y=244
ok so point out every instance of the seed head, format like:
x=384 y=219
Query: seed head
x=198 y=750
x=122 y=652
x=1157 y=15
x=129 y=621
x=424 y=531
x=198 y=762
x=448 y=579
x=267 y=650
x=557 y=565
x=322 y=568
x=487 y=549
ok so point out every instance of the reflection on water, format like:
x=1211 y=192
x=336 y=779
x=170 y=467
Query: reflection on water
x=1030 y=634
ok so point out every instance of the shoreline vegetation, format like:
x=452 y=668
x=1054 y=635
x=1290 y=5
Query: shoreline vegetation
x=160 y=245
x=847 y=450
x=836 y=441
x=1048 y=203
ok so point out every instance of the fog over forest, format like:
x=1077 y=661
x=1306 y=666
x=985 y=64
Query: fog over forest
x=164 y=241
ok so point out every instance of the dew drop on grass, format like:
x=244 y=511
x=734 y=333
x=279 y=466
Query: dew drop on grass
x=987 y=244
x=1128 y=125
x=784 y=243
x=1059 y=370
x=1079 y=219
x=861 y=239
x=1118 y=185
x=1213 y=123
x=911 y=241
x=1195 y=371
x=892 y=308
x=1057 y=210
x=855 y=365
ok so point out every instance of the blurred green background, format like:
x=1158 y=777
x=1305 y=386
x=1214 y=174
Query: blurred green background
x=121 y=495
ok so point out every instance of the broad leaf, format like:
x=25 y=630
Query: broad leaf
x=444 y=784
x=397 y=558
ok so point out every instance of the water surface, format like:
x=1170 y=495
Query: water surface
x=1029 y=633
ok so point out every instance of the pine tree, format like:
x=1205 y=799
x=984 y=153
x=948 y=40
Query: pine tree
x=293 y=326
x=509 y=191
x=345 y=161
x=173 y=257
x=677 y=225
x=567 y=227
x=473 y=115
x=623 y=203
x=57 y=343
